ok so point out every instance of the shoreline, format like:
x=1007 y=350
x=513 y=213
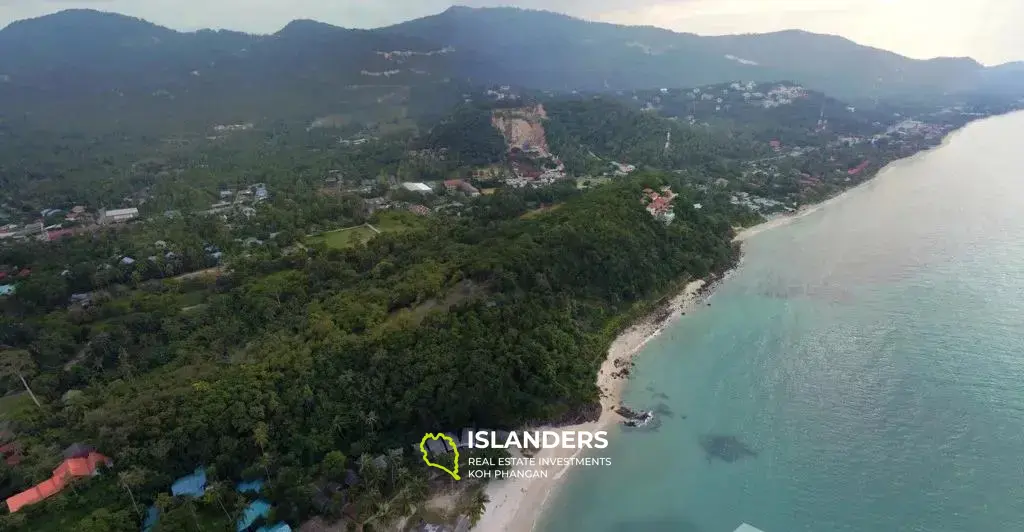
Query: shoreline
x=517 y=503
x=745 y=233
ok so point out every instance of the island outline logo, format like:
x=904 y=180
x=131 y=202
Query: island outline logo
x=451 y=443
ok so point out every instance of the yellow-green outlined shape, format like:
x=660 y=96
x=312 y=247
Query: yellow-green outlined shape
x=451 y=443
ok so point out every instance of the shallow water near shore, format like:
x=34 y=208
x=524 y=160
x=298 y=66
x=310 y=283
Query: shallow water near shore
x=869 y=355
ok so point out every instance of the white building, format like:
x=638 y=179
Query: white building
x=114 y=216
x=417 y=187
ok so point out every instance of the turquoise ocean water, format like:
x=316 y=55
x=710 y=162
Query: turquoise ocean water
x=870 y=353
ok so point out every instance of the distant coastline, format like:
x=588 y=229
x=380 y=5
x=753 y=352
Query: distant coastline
x=745 y=233
x=517 y=504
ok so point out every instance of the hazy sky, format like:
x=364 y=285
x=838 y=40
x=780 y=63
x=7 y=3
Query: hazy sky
x=983 y=29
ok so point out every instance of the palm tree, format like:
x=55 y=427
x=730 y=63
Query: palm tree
x=376 y=511
x=129 y=478
x=372 y=420
x=164 y=502
x=195 y=518
x=18 y=362
x=214 y=493
x=361 y=510
x=478 y=506
x=261 y=435
x=394 y=464
x=368 y=473
x=126 y=365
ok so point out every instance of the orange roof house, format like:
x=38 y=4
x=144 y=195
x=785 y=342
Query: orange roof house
x=82 y=466
x=85 y=466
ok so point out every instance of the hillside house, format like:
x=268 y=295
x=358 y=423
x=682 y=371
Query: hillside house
x=76 y=212
x=422 y=188
x=453 y=185
x=436 y=446
x=622 y=169
x=58 y=234
x=419 y=209
x=659 y=205
x=114 y=216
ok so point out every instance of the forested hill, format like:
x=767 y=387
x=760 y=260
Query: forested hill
x=83 y=69
x=700 y=128
x=552 y=51
x=588 y=132
x=290 y=365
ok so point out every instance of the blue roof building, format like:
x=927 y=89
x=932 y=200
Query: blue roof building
x=276 y=527
x=255 y=510
x=252 y=486
x=193 y=485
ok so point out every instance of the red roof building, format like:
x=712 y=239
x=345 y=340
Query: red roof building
x=660 y=205
x=57 y=234
x=860 y=167
x=85 y=466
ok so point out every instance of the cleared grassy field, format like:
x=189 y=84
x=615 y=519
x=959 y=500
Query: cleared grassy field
x=397 y=221
x=344 y=238
x=586 y=182
x=384 y=222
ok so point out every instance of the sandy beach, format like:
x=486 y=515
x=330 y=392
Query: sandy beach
x=517 y=503
x=785 y=219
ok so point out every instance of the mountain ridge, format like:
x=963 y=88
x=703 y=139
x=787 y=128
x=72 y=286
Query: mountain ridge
x=77 y=61
x=458 y=9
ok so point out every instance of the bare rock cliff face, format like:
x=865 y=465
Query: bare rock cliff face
x=522 y=128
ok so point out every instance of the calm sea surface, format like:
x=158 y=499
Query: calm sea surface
x=871 y=354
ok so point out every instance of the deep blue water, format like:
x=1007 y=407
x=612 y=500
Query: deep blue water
x=870 y=353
